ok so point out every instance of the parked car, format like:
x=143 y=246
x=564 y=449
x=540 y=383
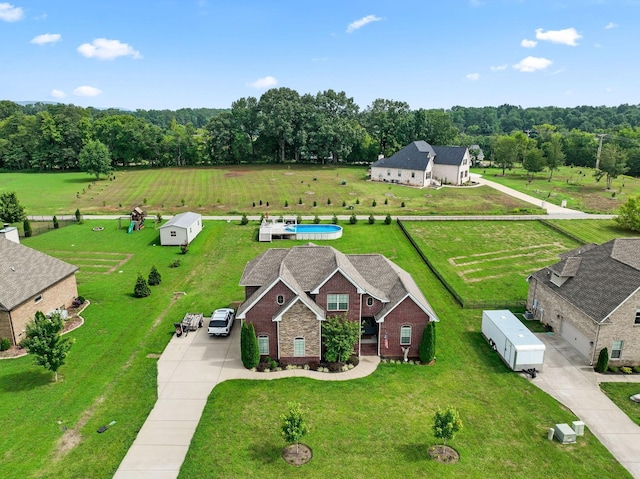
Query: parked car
x=221 y=322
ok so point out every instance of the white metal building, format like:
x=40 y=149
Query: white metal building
x=181 y=229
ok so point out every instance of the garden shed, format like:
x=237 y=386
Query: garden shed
x=181 y=229
x=516 y=345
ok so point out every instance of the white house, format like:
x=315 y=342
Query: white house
x=419 y=164
x=181 y=229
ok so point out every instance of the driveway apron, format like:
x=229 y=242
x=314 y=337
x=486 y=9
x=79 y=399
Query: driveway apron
x=568 y=378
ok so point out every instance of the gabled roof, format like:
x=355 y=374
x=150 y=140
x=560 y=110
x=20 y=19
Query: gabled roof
x=449 y=155
x=415 y=156
x=306 y=268
x=604 y=277
x=25 y=272
x=182 y=220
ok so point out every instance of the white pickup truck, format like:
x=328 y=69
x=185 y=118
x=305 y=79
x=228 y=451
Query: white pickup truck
x=221 y=322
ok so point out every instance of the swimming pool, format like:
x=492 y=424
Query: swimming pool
x=315 y=232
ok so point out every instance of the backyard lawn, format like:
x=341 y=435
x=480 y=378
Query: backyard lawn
x=278 y=189
x=373 y=427
x=575 y=185
x=488 y=261
x=593 y=231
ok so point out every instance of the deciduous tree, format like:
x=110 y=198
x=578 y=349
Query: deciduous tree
x=613 y=163
x=339 y=336
x=45 y=342
x=95 y=159
x=629 y=217
x=446 y=423
x=293 y=426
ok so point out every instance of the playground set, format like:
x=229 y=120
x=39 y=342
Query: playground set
x=136 y=220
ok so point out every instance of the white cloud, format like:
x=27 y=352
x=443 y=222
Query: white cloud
x=58 y=94
x=532 y=64
x=498 y=68
x=528 y=43
x=597 y=45
x=568 y=36
x=104 y=49
x=473 y=76
x=611 y=25
x=353 y=26
x=86 y=90
x=9 y=13
x=264 y=83
x=46 y=38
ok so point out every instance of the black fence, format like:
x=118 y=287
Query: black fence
x=43 y=224
x=489 y=304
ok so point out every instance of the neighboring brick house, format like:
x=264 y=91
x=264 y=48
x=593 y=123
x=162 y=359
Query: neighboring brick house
x=592 y=299
x=290 y=292
x=31 y=281
x=420 y=164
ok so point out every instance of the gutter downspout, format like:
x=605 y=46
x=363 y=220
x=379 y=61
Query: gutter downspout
x=595 y=345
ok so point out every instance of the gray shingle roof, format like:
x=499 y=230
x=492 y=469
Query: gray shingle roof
x=183 y=220
x=25 y=272
x=305 y=268
x=449 y=155
x=606 y=276
x=415 y=156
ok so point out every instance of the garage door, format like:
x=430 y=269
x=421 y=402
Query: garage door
x=579 y=341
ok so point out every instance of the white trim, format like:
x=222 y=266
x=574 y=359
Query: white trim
x=403 y=326
x=266 y=290
x=431 y=314
x=293 y=301
x=304 y=347
x=316 y=290
x=262 y=335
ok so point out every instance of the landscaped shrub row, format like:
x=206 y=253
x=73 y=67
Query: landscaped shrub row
x=268 y=364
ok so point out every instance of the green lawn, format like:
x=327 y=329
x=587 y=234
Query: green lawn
x=488 y=261
x=235 y=189
x=576 y=186
x=619 y=393
x=372 y=427
x=593 y=231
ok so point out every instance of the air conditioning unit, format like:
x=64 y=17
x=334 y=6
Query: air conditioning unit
x=565 y=434
x=578 y=427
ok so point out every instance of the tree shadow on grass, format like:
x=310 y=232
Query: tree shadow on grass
x=413 y=452
x=267 y=453
x=25 y=381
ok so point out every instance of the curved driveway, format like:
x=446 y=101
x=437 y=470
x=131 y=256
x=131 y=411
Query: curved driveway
x=188 y=370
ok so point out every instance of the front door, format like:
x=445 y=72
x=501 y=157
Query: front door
x=369 y=337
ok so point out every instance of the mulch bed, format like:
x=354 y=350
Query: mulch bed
x=444 y=454
x=302 y=456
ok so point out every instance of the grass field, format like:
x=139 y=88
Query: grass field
x=229 y=189
x=111 y=375
x=593 y=231
x=619 y=393
x=488 y=261
x=576 y=186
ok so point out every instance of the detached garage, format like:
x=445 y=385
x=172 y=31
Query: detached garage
x=181 y=229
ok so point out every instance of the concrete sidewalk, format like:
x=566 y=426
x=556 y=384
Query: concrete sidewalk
x=188 y=370
x=568 y=378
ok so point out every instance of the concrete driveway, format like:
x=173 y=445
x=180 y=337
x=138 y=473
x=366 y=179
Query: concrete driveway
x=568 y=379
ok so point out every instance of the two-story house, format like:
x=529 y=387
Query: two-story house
x=290 y=292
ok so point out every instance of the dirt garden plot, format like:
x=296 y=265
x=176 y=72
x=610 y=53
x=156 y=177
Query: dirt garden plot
x=504 y=254
x=95 y=262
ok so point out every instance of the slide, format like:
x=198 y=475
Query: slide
x=131 y=225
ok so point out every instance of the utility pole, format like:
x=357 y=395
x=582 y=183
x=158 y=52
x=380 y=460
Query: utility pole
x=601 y=136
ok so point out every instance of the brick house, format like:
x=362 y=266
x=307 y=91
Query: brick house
x=290 y=292
x=420 y=164
x=592 y=299
x=31 y=281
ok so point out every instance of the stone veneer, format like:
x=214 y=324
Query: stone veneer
x=299 y=321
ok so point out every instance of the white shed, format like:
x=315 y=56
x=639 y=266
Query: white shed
x=516 y=345
x=181 y=229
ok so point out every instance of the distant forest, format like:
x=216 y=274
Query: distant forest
x=284 y=126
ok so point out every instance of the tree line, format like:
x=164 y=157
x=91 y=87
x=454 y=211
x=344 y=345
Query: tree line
x=283 y=125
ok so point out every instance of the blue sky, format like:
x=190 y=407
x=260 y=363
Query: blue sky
x=156 y=54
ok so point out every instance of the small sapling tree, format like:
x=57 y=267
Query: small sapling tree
x=446 y=423
x=141 y=289
x=45 y=343
x=293 y=425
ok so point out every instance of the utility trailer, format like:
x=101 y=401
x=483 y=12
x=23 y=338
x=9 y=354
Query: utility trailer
x=192 y=321
x=518 y=347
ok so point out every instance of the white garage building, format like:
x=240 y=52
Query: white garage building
x=181 y=229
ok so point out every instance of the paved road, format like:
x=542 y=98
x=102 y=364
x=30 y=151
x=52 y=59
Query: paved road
x=567 y=378
x=188 y=370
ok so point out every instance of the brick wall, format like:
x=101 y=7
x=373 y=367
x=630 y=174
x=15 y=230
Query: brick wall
x=406 y=313
x=338 y=284
x=622 y=327
x=59 y=295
